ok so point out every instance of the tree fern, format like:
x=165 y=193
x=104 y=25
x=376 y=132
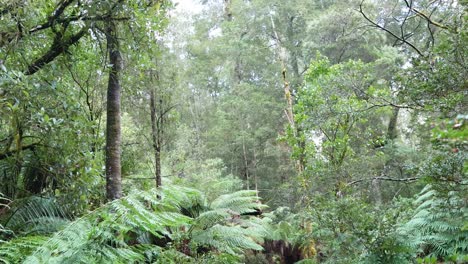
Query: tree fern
x=229 y=239
x=222 y=227
x=37 y=215
x=138 y=227
x=438 y=227
x=210 y=218
x=240 y=202
x=110 y=234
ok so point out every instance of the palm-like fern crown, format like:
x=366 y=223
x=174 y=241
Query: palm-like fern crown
x=438 y=227
x=139 y=227
x=222 y=227
x=37 y=215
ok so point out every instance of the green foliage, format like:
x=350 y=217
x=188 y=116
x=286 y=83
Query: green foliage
x=341 y=120
x=208 y=176
x=3 y=206
x=346 y=230
x=350 y=230
x=375 y=120
x=285 y=223
x=451 y=134
x=386 y=244
x=36 y=215
x=232 y=240
x=14 y=250
x=222 y=226
x=146 y=226
x=438 y=226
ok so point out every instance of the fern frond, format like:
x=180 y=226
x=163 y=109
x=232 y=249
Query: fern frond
x=437 y=225
x=107 y=234
x=172 y=256
x=14 y=250
x=128 y=230
x=241 y=202
x=182 y=196
x=232 y=240
x=37 y=215
x=210 y=218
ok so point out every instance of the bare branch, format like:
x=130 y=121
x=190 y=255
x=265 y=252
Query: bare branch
x=401 y=39
x=384 y=179
x=426 y=17
x=165 y=112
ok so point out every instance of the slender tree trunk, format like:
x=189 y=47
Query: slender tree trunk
x=293 y=52
x=255 y=163
x=286 y=86
x=294 y=85
x=247 y=176
x=156 y=139
x=157 y=163
x=237 y=70
x=391 y=135
x=376 y=189
x=113 y=126
x=195 y=119
x=300 y=163
x=392 y=125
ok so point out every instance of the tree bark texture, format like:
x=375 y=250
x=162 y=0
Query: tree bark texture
x=113 y=126
x=155 y=133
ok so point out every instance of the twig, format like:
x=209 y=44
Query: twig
x=401 y=39
x=384 y=179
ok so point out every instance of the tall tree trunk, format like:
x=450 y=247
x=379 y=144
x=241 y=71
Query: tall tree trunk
x=255 y=163
x=113 y=126
x=246 y=166
x=300 y=163
x=156 y=139
x=391 y=135
x=293 y=53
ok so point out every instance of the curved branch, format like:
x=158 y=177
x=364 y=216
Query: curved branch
x=57 y=48
x=426 y=17
x=401 y=39
x=52 y=19
x=384 y=179
x=12 y=152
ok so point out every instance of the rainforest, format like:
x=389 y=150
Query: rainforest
x=233 y=131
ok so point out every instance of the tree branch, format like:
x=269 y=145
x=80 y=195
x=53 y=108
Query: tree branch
x=384 y=179
x=12 y=152
x=57 y=48
x=52 y=19
x=426 y=17
x=401 y=39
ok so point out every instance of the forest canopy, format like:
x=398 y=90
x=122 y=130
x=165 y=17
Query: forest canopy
x=233 y=131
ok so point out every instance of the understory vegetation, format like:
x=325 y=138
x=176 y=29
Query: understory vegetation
x=233 y=131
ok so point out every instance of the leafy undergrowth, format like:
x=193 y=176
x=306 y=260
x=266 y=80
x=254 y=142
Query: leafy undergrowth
x=170 y=225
